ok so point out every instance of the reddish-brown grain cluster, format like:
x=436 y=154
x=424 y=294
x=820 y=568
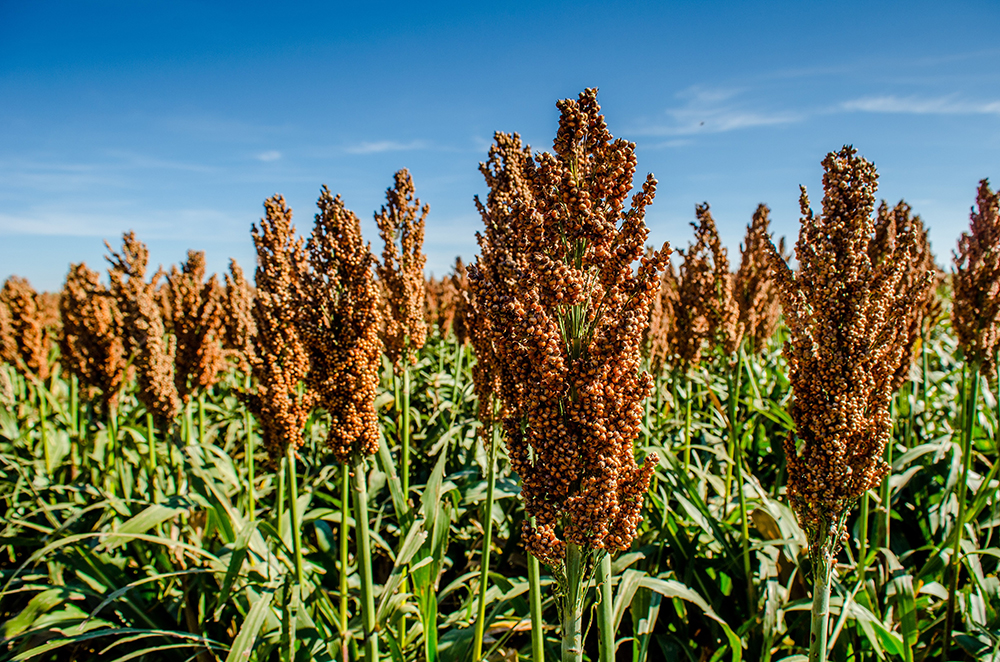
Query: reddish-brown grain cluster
x=846 y=317
x=146 y=342
x=91 y=345
x=340 y=322
x=25 y=328
x=754 y=288
x=238 y=326
x=975 y=313
x=893 y=226
x=280 y=359
x=559 y=321
x=195 y=319
x=401 y=272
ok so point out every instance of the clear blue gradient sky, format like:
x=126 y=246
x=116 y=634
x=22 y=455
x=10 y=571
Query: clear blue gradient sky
x=178 y=119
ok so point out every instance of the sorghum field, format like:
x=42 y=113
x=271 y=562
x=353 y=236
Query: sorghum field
x=576 y=447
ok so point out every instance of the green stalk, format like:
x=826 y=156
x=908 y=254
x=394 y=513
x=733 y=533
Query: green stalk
x=151 y=442
x=822 y=567
x=970 y=389
x=572 y=608
x=248 y=454
x=281 y=501
x=484 y=568
x=405 y=431
x=43 y=414
x=293 y=509
x=201 y=417
x=863 y=537
x=345 y=479
x=687 y=423
x=605 y=611
x=359 y=483
x=459 y=355
x=535 y=601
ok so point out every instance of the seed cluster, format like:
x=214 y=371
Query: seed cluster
x=846 y=318
x=25 y=328
x=755 y=290
x=195 y=318
x=891 y=227
x=975 y=313
x=340 y=322
x=91 y=345
x=145 y=337
x=238 y=326
x=559 y=320
x=280 y=359
x=401 y=272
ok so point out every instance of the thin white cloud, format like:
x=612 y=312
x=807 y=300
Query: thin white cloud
x=194 y=224
x=715 y=110
x=270 y=155
x=948 y=105
x=386 y=146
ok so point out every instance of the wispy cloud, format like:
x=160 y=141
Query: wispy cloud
x=386 y=146
x=193 y=223
x=715 y=110
x=270 y=155
x=948 y=105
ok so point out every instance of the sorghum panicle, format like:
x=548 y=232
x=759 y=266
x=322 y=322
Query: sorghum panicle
x=846 y=318
x=143 y=330
x=975 y=312
x=340 y=329
x=91 y=345
x=196 y=321
x=238 y=326
x=401 y=272
x=28 y=340
x=755 y=290
x=559 y=320
x=280 y=360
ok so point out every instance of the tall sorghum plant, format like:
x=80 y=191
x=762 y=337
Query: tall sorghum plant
x=562 y=313
x=754 y=287
x=340 y=324
x=975 y=316
x=845 y=318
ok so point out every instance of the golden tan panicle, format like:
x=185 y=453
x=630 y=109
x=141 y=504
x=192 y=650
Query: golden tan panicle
x=755 y=290
x=401 y=272
x=975 y=312
x=280 y=358
x=29 y=338
x=559 y=317
x=340 y=329
x=238 y=327
x=145 y=337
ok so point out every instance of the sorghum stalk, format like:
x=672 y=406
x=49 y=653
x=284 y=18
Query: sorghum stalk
x=248 y=455
x=345 y=481
x=359 y=484
x=535 y=601
x=484 y=565
x=151 y=442
x=605 y=611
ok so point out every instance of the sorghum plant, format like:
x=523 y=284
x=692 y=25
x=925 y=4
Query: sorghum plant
x=755 y=289
x=340 y=324
x=561 y=316
x=845 y=316
x=238 y=325
x=401 y=275
x=90 y=346
x=29 y=337
x=280 y=359
x=975 y=316
x=145 y=337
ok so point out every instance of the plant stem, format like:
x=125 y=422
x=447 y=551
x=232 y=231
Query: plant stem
x=687 y=423
x=345 y=479
x=484 y=567
x=605 y=611
x=43 y=414
x=822 y=566
x=572 y=609
x=151 y=442
x=201 y=417
x=293 y=509
x=535 y=601
x=970 y=389
x=281 y=501
x=370 y=635
x=249 y=455
x=405 y=432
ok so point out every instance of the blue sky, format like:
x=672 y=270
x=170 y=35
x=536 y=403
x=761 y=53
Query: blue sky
x=178 y=119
